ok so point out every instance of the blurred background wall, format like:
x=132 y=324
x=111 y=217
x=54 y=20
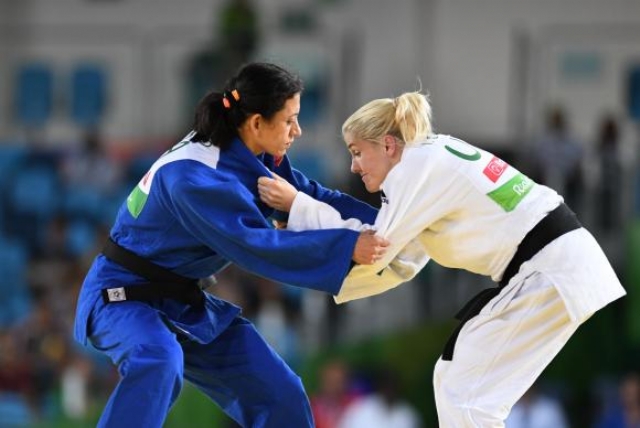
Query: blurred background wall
x=515 y=55
x=92 y=91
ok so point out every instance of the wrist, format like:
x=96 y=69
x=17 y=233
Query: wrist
x=290 y=202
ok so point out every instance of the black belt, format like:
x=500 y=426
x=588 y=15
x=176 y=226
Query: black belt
x=558 y=222
x=163 y=283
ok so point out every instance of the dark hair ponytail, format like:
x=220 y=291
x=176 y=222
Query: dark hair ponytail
x=261 y=88
x=209 y=124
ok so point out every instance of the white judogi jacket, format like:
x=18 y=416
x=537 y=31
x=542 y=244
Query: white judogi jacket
x=465 y=208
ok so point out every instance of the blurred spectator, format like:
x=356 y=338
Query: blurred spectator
x=609 y=186
x=46 y=346
x=231 y=286
x=239 y=31
x=235 y=44
x=53 y=244
x=273 y=309
x=16 y=384
x=50 y=270
x=558 y=158
x=334 y=395
x=626 y=413
x=537 y=410
x=384 y=408
x=15 y=372
x=91 y=167
x=74 y=384
x=275 y=319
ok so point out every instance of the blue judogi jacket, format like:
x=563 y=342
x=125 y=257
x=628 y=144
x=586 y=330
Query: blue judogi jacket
x=197 y=210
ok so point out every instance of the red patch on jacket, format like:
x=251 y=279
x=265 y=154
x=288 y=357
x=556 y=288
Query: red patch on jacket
x=495 y=168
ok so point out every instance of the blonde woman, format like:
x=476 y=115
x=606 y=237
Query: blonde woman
x=446 y=200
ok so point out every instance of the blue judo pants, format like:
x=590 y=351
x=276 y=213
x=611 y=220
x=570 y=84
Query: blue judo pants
x=238 y=370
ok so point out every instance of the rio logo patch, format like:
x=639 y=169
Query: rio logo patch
x=495 y=168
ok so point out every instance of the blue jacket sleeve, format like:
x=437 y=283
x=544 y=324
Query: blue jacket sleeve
x=224 y=216
x=346 y=205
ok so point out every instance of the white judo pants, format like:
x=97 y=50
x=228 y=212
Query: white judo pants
x=500 y=353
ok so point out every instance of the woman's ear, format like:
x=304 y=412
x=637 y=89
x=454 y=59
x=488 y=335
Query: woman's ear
x=254 y=122
x=249 y=131
x=390 y=145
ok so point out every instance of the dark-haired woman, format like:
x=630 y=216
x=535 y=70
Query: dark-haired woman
x=196 y=211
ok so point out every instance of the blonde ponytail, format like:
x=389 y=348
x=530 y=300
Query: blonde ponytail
x=412 y=117
x=407 y=117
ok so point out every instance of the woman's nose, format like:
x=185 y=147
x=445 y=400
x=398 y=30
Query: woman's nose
x=355 y=168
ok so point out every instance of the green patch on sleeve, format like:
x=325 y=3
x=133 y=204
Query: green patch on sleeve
x=136 y=201
x=509 y=195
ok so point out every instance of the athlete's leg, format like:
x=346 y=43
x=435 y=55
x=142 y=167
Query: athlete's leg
x=251 y=383
x=500 y=353
x=149 y=360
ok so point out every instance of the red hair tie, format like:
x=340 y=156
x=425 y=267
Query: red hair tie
x=226 y=102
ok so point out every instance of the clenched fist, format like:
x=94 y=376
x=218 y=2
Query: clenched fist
x=277 y=192
x=369 y=248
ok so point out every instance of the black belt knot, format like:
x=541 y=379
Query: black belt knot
x=558 y=222
x=163 y=283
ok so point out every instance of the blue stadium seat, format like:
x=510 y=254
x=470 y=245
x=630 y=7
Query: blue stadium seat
x=89 y=94
x=14 y=256
x=311 y=163
x=14 y=296
x=138 y=167
x=111 y=205
x=81 y=237
x=633 y=93
x=15 y=411
x=33 y=198
x=83 y=202
x=12 y=156
x=313 y=103
x=33 y=96
x=35 y=190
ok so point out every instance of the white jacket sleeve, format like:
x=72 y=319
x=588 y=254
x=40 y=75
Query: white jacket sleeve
x=369 y=280
x=400 y=264
x=310 y=214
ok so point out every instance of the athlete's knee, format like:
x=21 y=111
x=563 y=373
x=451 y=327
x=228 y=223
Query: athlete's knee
x=459 y=406
x=163 y=365
x=469 y=417
x=291 y=402
x=292 y=388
